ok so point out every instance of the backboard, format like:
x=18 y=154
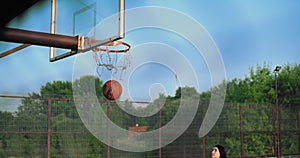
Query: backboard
x=101 y=20
x=75 y=26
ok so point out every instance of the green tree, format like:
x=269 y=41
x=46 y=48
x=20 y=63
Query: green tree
x=256 y=94
x=289 y=85
x=5 y=125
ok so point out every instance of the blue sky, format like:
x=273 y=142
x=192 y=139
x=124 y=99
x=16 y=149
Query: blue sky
x=247 y=33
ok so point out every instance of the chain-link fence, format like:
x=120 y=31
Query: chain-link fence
x=51 y=127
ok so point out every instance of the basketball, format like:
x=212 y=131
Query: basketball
x=112 y=89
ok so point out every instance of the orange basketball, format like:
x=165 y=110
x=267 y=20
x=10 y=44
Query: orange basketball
x=112 y=89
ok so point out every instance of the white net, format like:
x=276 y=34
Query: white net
x=113 y=57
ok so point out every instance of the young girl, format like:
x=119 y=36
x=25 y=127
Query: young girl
x=218 y=151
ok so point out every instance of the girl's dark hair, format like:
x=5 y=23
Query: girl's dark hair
x=222 y=151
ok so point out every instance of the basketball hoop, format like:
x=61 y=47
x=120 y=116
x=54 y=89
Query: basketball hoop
x=114 y=57
x=114 y=47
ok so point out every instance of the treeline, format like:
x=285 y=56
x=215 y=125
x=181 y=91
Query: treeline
x=24 y=132
x=255 y=95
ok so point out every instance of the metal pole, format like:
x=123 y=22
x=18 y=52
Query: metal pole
x=298 y=117
x=204 y=137
x=204 y=146
x=53 y=24
x=277 y=116
x=274 y=130
x=6 y=53
x=108 y=130
x=277 y=125
x=49 y=129
x=241 y=132
x=38 y=38
x=122 y=18
x=160 y=125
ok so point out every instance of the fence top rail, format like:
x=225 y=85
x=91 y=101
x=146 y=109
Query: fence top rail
x=13 y=96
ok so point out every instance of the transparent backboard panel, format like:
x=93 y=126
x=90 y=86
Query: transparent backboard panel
x=97 y=19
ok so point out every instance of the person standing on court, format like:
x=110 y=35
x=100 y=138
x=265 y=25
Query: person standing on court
x=218 y=151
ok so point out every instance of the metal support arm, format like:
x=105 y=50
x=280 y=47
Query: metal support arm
x=38 y=38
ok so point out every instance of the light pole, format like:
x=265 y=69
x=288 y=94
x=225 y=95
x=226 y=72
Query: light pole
x=278 y=141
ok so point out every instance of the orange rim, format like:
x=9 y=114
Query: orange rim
x=111 y=47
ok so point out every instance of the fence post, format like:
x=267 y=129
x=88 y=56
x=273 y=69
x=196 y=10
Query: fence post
x=108 y=129
x=298 y=130
x=241 y=131
x=279 y=131
x=160 y=130
x=49 y=129
x=204 y=137
x=274 y=131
